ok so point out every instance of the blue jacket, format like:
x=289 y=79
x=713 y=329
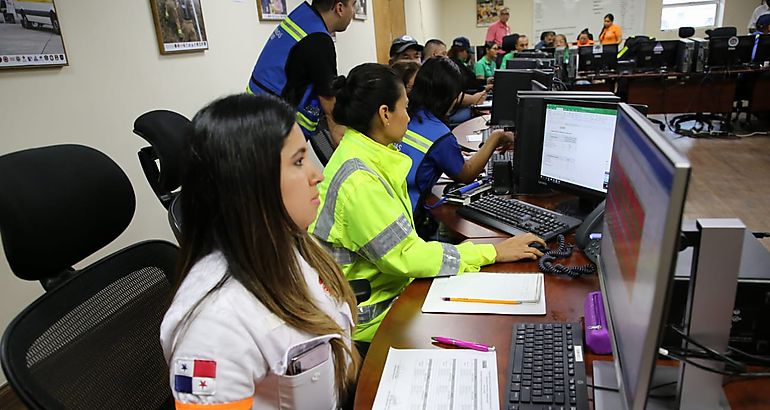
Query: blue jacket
x=419 y=138
x=269 y=74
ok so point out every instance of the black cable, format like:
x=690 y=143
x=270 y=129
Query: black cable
x=563 y=250
x=711 y=351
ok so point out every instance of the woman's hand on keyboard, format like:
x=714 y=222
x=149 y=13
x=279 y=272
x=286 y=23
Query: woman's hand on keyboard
x=518 y=247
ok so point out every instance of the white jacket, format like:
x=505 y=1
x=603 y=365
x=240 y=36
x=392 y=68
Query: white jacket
x=234 y=351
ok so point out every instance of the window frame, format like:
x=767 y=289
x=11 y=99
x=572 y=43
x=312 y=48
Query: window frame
x=718 y=18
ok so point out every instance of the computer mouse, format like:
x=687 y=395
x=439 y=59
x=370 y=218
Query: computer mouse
x=539 y=246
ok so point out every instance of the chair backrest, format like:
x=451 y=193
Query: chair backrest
x=166 y=131
x=91 y=341
x=321 y=142
x=175 y=216
x=722 y=32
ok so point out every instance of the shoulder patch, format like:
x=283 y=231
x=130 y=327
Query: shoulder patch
x=195 y=376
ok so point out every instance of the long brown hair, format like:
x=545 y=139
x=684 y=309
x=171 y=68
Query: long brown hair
x=231 y=202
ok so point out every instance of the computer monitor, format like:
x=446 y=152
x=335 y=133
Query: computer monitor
x=598 y=58
x=726 y=52
x=538 y=86
x=577 y=144
x=532 y=53
x=528 y=145
x=645 y=197
x=507 y=84
x=762 y=53
x=545 y=77
x=519 y=63
x=657 y=55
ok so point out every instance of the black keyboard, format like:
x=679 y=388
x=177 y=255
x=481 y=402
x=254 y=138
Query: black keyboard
x=516 y=217
x=546 y=368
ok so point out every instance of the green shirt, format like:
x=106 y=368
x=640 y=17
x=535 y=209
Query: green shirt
x=485 y=68
x=504 y=62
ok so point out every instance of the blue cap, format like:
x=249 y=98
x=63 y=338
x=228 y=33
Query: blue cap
x=763 y=21
x=464 y=43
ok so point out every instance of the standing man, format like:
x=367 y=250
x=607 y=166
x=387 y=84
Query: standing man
x=760 y=10
x=299 y=62
x=500 y=29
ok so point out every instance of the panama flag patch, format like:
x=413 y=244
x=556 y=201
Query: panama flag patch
x=195 y=376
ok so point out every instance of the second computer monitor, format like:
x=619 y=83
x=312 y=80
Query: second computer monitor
x=726 y=52
x=577 y=144
x=507 y=84
x=657 y=55
x=598 y=58
x=529 y=133
x=645 y=198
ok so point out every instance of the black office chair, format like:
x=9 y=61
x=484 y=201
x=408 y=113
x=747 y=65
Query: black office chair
x=166 y=131
x=92 y=340
x=721 y=32
x=321 y=142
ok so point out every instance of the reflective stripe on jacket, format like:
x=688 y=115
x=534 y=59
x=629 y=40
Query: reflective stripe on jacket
x=365 y=220
x=423 y=131
x=269 y=74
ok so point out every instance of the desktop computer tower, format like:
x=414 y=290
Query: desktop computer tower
x=750 y=327
x=684 y=55
x=700 y=54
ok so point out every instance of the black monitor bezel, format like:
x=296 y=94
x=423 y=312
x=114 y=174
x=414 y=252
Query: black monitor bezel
x=731 y=56
x=669 y=54
x=577 y=190
x=608 y=58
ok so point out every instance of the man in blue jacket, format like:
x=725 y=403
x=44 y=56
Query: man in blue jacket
x=299 y=61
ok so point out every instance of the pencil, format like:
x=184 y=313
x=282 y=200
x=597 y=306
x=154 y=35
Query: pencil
x=473 y=300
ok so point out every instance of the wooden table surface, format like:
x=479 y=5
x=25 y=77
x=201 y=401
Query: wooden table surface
x=730 y=178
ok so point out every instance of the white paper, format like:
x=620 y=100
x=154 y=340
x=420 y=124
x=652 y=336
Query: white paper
x=473 y=137
x=438 y=379
x=506 y=286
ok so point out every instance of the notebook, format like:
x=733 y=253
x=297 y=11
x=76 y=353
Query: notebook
x=529 y=288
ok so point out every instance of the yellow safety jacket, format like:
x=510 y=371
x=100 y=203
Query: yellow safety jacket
x=365 y=221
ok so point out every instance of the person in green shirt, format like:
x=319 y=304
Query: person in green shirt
x=513 y=44
x=486 y=66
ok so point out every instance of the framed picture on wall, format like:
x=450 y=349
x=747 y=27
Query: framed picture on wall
x=487 y=12
x=272 y=10
x=179 y=26
x=30 y=35
x=361 y=10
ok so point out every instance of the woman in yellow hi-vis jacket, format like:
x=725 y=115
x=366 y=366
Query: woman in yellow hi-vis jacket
x=365 y=218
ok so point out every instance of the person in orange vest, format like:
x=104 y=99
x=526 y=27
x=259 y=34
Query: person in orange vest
x=611 y=32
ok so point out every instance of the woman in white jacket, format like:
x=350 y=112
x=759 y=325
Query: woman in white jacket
x=263 y=316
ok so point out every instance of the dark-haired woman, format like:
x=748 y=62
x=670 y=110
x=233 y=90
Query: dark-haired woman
x=428 y=140
x=611 y=33
x=256 y=289
x=366 y=219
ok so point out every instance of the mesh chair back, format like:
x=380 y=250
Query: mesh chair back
x=322 y=145
x=93 y=342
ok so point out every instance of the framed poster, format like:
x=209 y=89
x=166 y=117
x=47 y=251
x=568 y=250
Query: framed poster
x=30 y=35
x=272 y=10
x=360 y=10
x=487 y=12
x=179 y=26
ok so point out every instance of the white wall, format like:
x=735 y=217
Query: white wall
x=115 y=74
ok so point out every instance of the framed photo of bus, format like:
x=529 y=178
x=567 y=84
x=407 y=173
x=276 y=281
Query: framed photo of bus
x=272 y=10
x=179 y=26
x=30 y=35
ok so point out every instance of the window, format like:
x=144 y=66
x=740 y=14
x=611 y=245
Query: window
x=688 y=13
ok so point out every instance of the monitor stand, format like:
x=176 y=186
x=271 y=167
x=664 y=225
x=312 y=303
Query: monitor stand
x=663 y=398
x=578 y=207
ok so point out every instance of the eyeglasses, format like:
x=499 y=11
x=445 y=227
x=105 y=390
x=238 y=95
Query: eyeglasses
x=505 y=14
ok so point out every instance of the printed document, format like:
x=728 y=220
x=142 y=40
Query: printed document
x=438 y=379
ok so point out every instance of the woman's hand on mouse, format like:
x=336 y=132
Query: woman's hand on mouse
x=518 y=247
